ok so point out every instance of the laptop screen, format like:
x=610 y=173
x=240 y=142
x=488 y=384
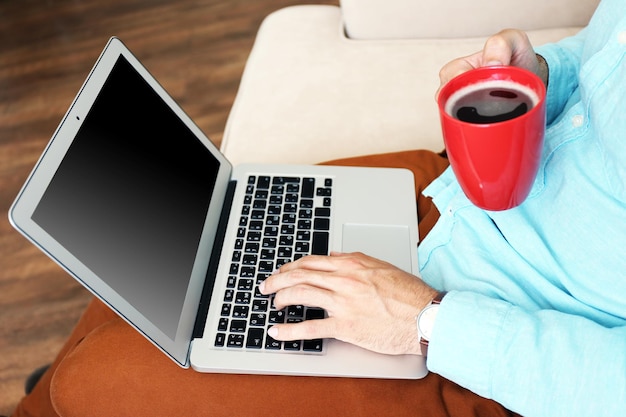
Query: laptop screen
x=131 y=195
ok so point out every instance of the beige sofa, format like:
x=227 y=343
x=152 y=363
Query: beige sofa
x=324 y=82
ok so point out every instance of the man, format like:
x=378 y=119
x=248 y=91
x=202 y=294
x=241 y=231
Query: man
x=534 y=316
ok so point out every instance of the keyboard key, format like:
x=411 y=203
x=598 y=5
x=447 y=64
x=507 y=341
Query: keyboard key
x=266 y=266
x=263 y=182
x=243 y=297
x=306 y=203
x=322 y=212
x=235 y=340
x=277 y=316
x=304 y=224
x=252 y=247
x=268 y=254
x=259 y=305
x=315 y=345
x=308 y=187
x=324 y=192
x=245 y=284
x=249 y=259
x=259 y=204
x=270 y=242
x=293 y=345
x=320 y=243
x=314 y=313
x=241 y=312
x=226 y=310
x=247 y=272
x=238 y=326
x=291 y=208
x=222 y=325
x=220 y=339
x=303 y=235
x=255 y=338
x=261 y=194
x=296 y=311
x=305 y=213
x=321 y=223
x=272 y=344
x=285 y=252
x=258 y=319
x=256 y=225
x=285 y=180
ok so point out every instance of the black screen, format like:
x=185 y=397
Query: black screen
x=131 y=195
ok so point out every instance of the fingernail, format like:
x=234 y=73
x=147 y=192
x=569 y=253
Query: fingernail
x=272 y=332
x=494 y=63
x=262 y=287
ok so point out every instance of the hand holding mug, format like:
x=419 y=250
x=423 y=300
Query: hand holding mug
x=493 y=121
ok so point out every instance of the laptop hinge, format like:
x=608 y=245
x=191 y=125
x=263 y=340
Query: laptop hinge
x=207 y=289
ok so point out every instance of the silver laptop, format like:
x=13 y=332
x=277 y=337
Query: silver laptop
x=136 y=203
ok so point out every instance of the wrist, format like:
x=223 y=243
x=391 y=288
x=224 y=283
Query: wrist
x=542 y=69
x=426 y=322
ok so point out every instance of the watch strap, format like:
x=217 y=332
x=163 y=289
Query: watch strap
x=424 y=342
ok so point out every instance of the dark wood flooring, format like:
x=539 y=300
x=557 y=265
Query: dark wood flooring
x=196 y=48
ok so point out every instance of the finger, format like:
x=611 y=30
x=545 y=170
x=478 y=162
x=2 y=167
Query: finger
x=292 y=278
x=459 y=66
x=498 y=50
x=314 y=262
x=303 y=295
x=510 y=47
x=306 y=330
x=335 y=262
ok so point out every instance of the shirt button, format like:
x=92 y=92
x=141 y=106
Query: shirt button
x=621 y=38
x=578 y=120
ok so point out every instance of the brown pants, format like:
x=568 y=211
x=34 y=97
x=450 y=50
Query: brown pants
x=106 y=368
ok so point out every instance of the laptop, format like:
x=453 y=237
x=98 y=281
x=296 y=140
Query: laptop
x=137 y=204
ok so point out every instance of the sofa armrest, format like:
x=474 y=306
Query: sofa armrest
x=414 y=19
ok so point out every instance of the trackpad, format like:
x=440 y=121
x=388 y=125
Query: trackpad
x=388 y=243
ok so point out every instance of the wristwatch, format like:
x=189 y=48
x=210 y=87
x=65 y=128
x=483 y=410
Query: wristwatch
x=426 y=321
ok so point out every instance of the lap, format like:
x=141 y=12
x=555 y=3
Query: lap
x=115 y=365
x=107 y=368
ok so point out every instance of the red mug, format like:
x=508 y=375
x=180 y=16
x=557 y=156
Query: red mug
x=493 y=122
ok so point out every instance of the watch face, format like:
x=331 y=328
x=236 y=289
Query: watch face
x=426 y=321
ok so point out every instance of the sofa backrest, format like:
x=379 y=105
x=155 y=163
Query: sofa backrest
x=415 y=19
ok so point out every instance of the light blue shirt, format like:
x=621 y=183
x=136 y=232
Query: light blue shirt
x=536 y=314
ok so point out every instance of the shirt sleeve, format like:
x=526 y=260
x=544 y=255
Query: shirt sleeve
x=517 y=356
x=563 y=60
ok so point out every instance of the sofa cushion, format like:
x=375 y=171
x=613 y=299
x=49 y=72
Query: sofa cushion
x=410 y=19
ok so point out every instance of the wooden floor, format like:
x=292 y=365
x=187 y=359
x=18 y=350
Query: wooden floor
x=196 y=48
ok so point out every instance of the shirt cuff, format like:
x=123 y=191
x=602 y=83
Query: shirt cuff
x=465 y=337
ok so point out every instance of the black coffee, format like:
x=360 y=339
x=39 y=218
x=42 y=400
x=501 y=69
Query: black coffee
x=491 y=102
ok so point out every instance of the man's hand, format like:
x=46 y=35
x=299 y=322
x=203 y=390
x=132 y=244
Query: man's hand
x=370 y=303
x=508 y=47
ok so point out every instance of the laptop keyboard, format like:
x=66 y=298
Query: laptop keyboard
x=282 y=219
